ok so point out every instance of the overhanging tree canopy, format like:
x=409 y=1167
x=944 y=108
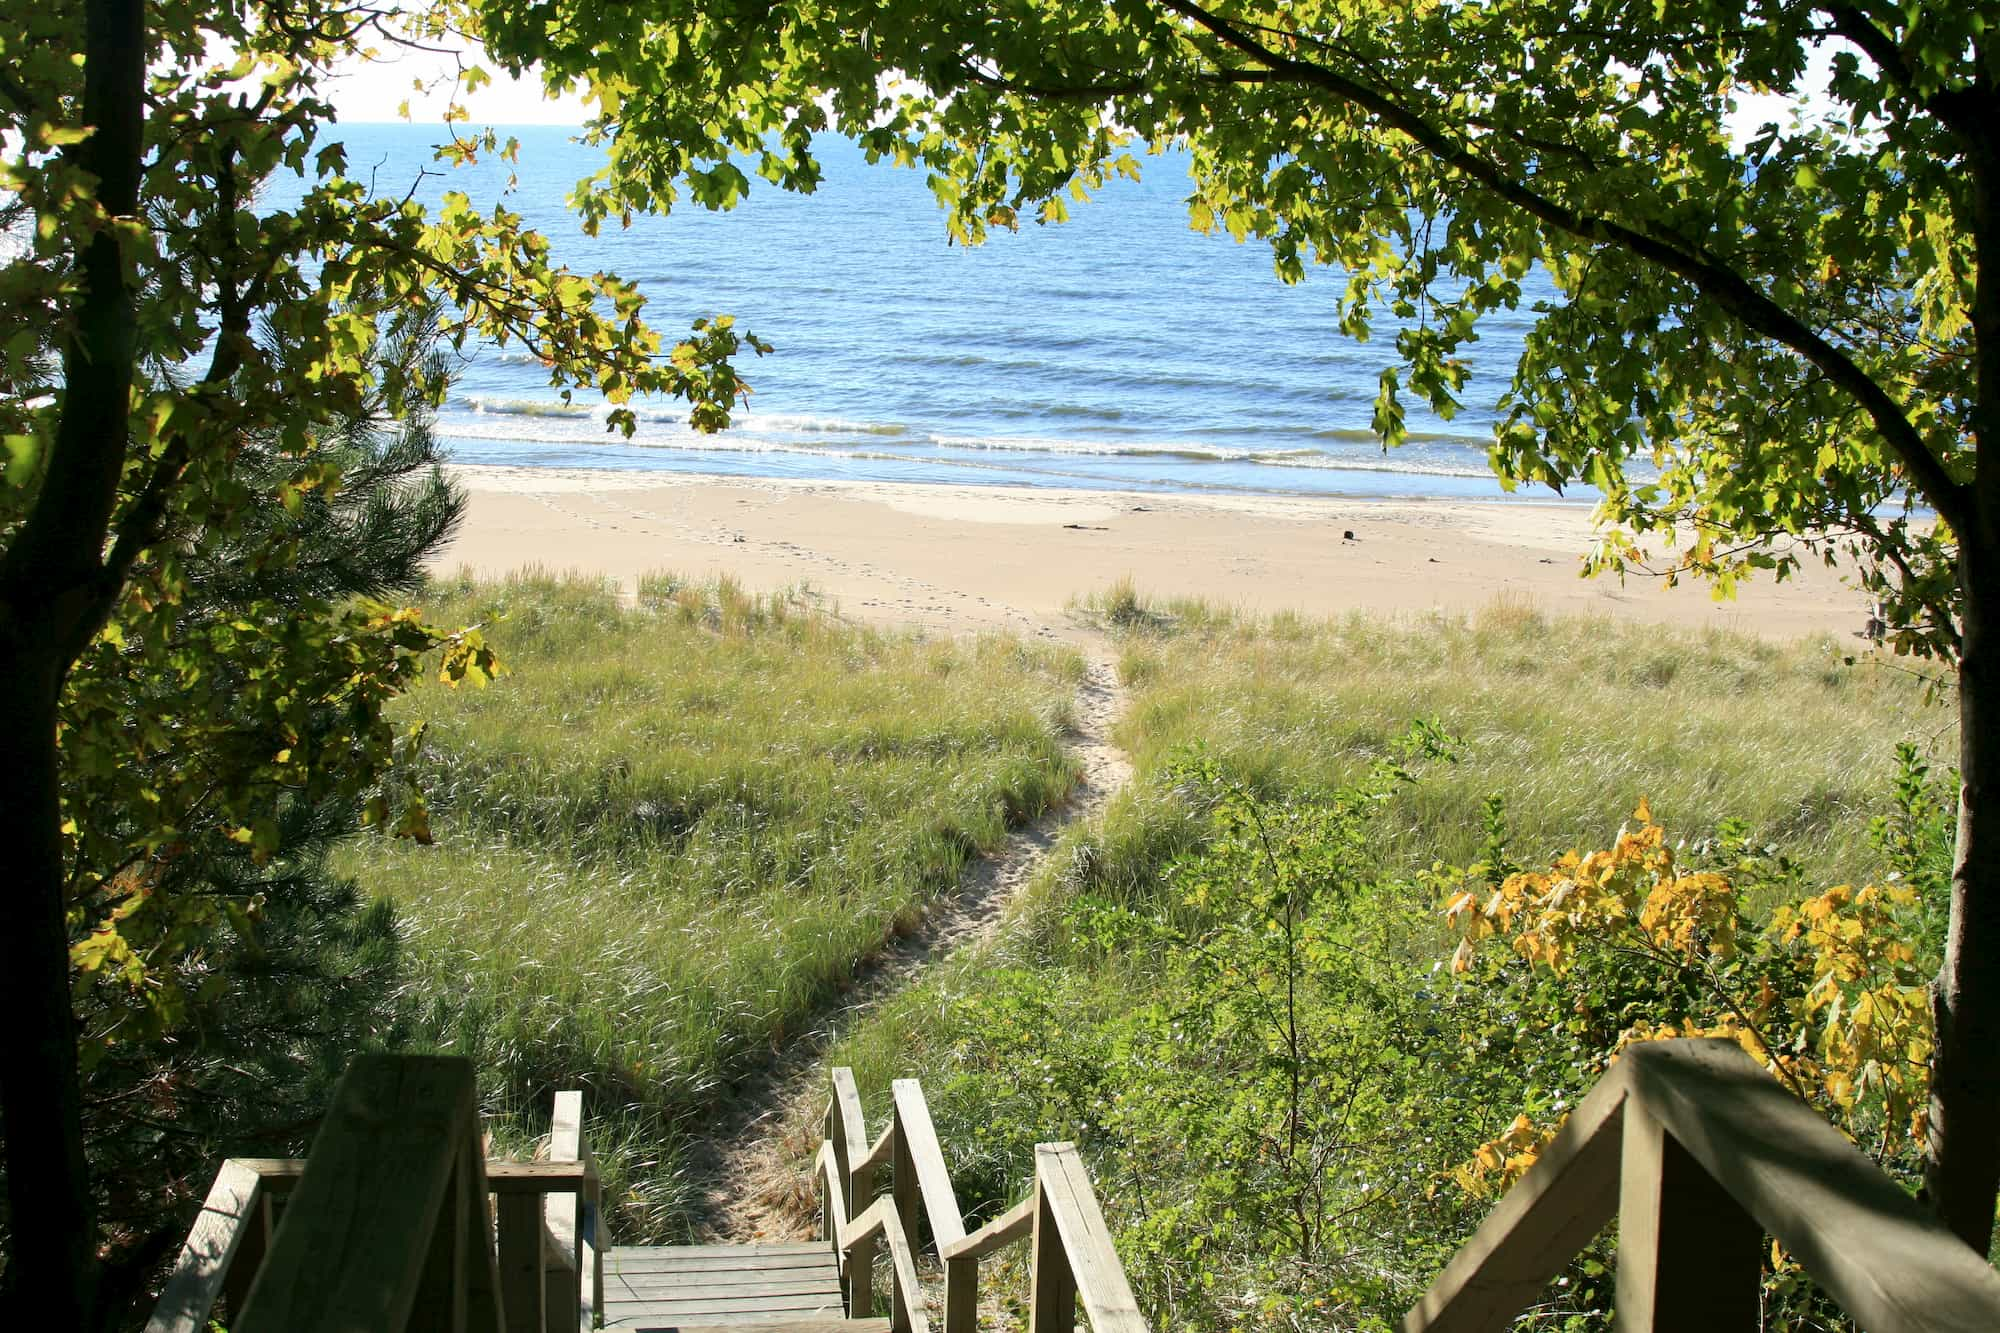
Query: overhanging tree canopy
x=1794 y=336
x=176 y=363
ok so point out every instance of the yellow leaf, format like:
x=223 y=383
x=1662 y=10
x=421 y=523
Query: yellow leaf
x=1461 y=961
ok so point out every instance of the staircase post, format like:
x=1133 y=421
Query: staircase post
x=1688 y=1255
x=1052 y=1287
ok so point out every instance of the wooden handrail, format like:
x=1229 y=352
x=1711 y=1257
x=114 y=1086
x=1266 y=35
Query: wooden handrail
x=235 y=1217
x=845 y=1115
x=280 y=1175
x=922 y=1177
x=846 y=1134
x=1081 y=1244
x=1071 y=1258
x=1700 y=1153
x=906 y=1301
x=570 y=1224
x=920 y=1170
x=227 y=1248
x=1537 y=1227
x=853 y=1239
x=884 y=1151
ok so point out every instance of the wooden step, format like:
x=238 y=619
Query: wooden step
x=810 y=1326
x=776 y=1288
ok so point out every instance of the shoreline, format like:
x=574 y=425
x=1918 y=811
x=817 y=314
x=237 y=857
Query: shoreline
x=963 y=558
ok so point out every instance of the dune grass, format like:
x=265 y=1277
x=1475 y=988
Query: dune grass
x=667 y=835
x=1569 y=720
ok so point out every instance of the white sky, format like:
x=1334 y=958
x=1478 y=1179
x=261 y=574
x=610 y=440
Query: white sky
x=372 y=92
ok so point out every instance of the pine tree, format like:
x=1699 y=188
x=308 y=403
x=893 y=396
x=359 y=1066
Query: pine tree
x=300 y=972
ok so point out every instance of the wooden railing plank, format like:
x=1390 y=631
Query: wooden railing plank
x=595 y=1234
x=1099 y=1277
x=850 y=1125
x=349 y=1251
x=280 y=1175
x=855 y=1240
x=906 y=1307
x=856 y=1255
x=1051 y=1284
x=961 y=1295
x=483 y=1309
x=884 y=1148
x=241 y=1267
x=439 y=1304
x=232 y=1210
x=1537 y=1227
x=903 y=1185
x=848 y=1130
x=832 y=1195
x=926 y=1158
x=825 y=1171
x=1010 y=1226
x=1887 y=1261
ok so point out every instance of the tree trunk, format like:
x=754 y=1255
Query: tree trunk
x=1963 y=1172
x=52 y=1259
x=54 y=594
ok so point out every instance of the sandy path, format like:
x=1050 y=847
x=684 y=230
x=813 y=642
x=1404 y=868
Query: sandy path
x=752 y=1170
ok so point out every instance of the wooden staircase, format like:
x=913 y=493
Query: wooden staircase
x=397 y=1222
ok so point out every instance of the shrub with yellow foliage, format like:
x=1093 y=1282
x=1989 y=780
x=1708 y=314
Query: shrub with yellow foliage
x=1828 y=992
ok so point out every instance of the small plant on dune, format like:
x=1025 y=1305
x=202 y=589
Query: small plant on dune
x=1249 y=1102
x=1122 y=608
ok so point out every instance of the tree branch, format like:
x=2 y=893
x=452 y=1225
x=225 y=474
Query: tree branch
x=1877 y=45
x=1727 y=288
x=144 y=522
x=51 y=571
x=1092 y=92
x=1962 y=111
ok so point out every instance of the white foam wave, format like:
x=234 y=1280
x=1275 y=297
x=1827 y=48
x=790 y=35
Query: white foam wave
x=821 y=425
x=528 y=407
x=1106 y=448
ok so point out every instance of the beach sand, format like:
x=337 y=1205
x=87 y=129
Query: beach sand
x=958 y=559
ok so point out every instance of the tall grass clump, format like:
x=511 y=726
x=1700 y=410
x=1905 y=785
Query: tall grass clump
x=666 y=837
x=1569 y=720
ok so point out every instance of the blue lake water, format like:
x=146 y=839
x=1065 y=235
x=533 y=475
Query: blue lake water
x=1117 y=350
